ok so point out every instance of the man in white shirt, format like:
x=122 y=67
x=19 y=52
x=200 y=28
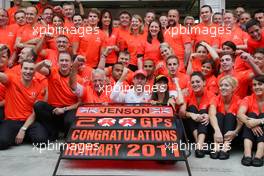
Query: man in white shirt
x=131 y=94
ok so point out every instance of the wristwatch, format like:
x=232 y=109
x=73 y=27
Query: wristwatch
x=23 y=128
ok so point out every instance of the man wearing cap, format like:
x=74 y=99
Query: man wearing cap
x=135 y=93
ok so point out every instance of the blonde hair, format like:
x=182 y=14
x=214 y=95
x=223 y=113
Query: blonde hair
x=230 y=79
x=141 y=27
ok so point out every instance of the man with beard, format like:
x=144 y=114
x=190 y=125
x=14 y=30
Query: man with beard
x=21 y=92
x=177 y=37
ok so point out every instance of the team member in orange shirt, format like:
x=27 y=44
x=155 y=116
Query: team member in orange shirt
x=59 y=112
x=178 y=38
x=202 y=31
x=259 y=15
x=165 y=52
x=21 y=92
x=20 y=18
x=149 y=17
x=123 y=29
x=149 y=67
x=256 y=39
x=12 y=10
x=197 y=111
x=202 y=50
x=251 y=113
x=28 y=35
x=222 y=114
x=233 y=32
x=134 y=39
x=5 y=54
x=150 y=47
x=7 y=34
x=91 y=44
x=97 y=92
x=244 y=78
x=105 y=24
x=47 y=15
x=208 y=70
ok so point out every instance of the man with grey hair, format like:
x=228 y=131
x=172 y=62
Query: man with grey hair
x=94 y=93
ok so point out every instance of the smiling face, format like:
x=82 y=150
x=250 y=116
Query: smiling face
x=64 y=63
x=258 y=87
x=77 y=21
x=124 y=58
x=93 y=19
x=205 y=14
x=106 y=19
x=226 y=63
x=197 y=84
x=3 y=59
x=173 y=17
x=228 y=49
x=68 y=10
x=207 y=69
x=47 y=15
x=165 y=52
x=154 y=29
x=98 y=81
x=62 y=43
x=31 y=15
x=259 y=60
x=255 y=32
x=135 y=24
x=225 y=87
x=149 y=67
x=124 y=20
x=229 y=19
x=117 y=71
x=150 y=16
x=3 y=17
x=27 y=70
x=20 y=18
x=57 y=21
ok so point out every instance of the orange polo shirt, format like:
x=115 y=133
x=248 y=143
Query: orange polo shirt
x=218 y=102
x=110 y=41
x=204 y=102
x=235 y=35
x=8 y=37
x=250 y=102
x=90 y=96
x=253 y=44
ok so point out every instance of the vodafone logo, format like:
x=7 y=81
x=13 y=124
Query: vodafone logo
x=127 y=122
x=106 y=122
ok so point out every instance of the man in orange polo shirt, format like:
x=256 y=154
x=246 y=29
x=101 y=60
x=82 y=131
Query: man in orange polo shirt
x=59 y=112
x=206 y=30
x=259 y=15
x=123 y=29
x=92 y=43
x=47 y=15
x=177 y=36
x=21 y=92
x=20 y=18
x=13 y=10
x=94 y=93
x=256 y=39
x=7 y=34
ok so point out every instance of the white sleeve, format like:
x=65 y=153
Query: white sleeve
x=117 y=94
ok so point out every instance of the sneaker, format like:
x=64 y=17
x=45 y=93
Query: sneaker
x=223 y=155
x=246 y=161
x=257 y=162
x=199 y=153
x=214 y=155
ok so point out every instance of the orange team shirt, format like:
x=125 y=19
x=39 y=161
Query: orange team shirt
x=129 y=77
x=27 y=32
x=201 y=32
x=253 y=44
x=204 y=102
x=11 y=14
x=133 y=42
x=85 y=73
x=90 y=46
x=218 y=102
x=40 y=7
x=60 y=94
x=177 y=38
x=2 y=92
x=250 y=102
x=90 y=96
x=68 y=23
x=235 y=35
x=52 y=55
x=211 y=84
x=241 y=65
x=8 y=37
x=19 y=99
x=110 y=41
x=184 y=81
x=150 y=50
x=122 y=35
x=244 y=82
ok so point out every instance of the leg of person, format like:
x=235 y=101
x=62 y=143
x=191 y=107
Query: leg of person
x=191 y=124
x=258 y=159
x=8 y=131
x=46 y=118
x=69 y=119
x=2 y=114
x=37 y=134
x=248 y=143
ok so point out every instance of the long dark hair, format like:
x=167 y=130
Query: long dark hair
x=160 y=35
x=155 y=97
x=100 y=24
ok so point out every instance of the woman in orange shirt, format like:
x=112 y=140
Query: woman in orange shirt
x=105 y=24
x=150 y=48
x=203 y=51
x=251 y=113
x=222 y=114
x=197 y=111
x=165 y=52
x=208 y=70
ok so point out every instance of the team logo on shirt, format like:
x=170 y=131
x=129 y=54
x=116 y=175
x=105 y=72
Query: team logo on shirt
x=127 y=122
x=33 y=94
x=10 y=34
x=106 y=122
x=89 y=110
x=161 y=110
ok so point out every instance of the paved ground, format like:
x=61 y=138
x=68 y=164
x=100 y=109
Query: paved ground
x=24 y=161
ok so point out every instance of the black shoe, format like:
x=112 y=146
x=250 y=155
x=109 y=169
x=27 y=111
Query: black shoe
x=214 y=155
x=223 y=155
x=199 y=153
x=246 y=161
x=257 y=162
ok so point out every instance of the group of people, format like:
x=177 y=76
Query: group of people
x=214 y=82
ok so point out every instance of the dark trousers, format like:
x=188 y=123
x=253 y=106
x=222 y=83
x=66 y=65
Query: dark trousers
x=247 y=132
x=226 y=122
x=51 y=122
x=10 y=128
x=2 y=113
